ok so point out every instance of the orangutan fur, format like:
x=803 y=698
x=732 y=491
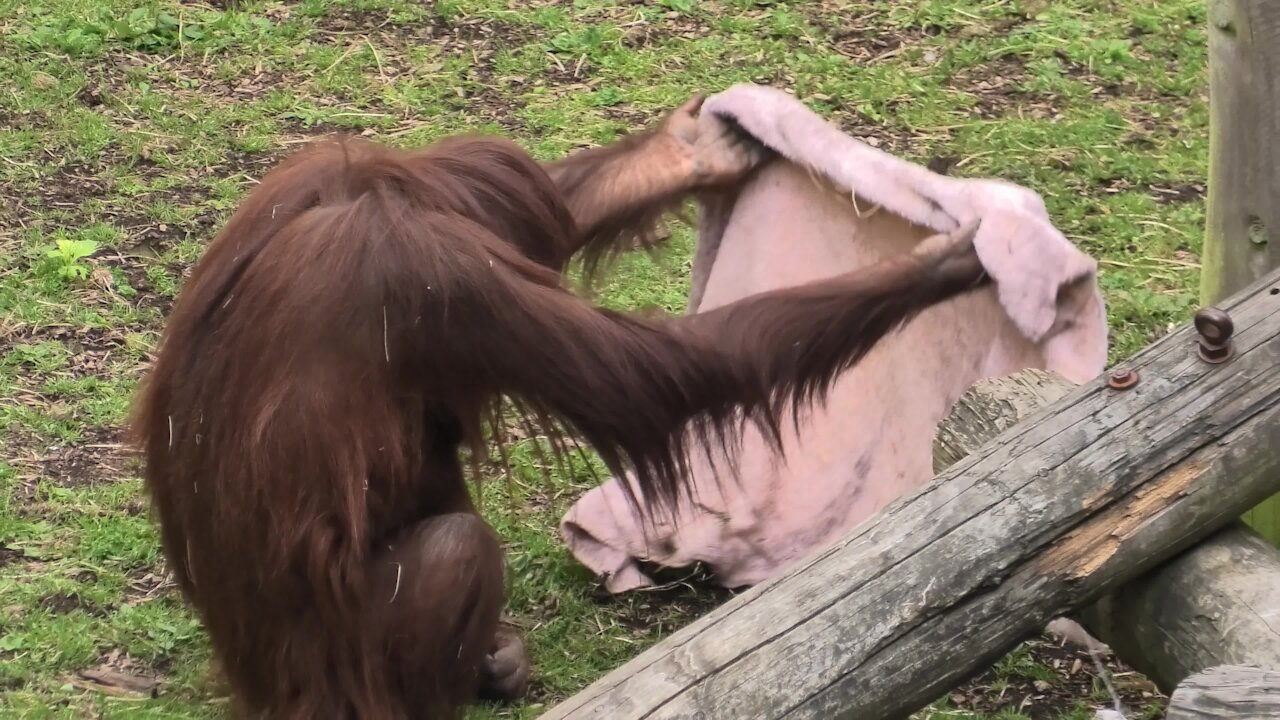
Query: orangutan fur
x=350 y=331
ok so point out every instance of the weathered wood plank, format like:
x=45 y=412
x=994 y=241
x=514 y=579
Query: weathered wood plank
x=1227 y=693
x=1218 y=603
x=1087 y=494
x=1242 y=229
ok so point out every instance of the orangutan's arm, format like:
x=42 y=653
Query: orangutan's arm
x=621 y=190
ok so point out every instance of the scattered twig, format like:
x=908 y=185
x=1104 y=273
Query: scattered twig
x=1111 y=690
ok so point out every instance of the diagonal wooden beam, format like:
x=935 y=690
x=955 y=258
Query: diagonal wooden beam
x=1217 y=603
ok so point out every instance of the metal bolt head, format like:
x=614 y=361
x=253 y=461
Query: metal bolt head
x=1216 y=328
x=1122 y=379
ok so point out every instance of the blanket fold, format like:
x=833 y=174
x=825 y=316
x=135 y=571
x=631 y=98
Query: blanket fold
x=826 y=205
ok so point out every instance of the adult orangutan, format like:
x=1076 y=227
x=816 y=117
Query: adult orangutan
x=353 y=328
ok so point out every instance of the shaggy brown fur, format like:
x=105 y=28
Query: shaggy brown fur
x=352 y=328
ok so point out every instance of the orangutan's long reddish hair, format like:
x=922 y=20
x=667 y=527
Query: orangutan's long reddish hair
x=353 y=326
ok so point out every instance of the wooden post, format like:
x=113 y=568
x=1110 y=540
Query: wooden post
x=1242 y=238
x=1228 y=693
x=1215 y=604
x=1088 y=494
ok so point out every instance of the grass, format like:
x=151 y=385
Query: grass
x=129 y=130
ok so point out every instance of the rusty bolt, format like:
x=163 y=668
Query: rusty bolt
x=1123 y=379
x=1215 y=328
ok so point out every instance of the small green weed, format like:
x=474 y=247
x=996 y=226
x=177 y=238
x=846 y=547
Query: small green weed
x=63 y=260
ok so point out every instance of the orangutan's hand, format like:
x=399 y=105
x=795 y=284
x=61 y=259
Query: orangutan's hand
x=953 y=253
x=505 y=674
x=716 y=154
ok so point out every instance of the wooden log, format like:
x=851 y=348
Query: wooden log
x=1242 y=224
x=1218 y=603
x=1083 y=496
x=1230 y=692
x=989 y=408
x=1215 y=604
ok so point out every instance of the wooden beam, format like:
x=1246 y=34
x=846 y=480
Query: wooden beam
x=1227 y=693
x=1218 y=603
x=1242 y=232
x=1087 y=494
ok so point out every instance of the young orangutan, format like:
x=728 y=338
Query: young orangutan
x=354 y=326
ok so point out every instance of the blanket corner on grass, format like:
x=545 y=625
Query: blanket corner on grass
x=827 y=204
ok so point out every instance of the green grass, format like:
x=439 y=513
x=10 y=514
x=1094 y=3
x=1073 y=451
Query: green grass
x=128 y=132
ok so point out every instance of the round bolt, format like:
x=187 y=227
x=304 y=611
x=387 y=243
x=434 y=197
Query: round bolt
x=1123 y=379
x=1215 y=328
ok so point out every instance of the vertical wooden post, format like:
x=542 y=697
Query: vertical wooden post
x=1242 y=235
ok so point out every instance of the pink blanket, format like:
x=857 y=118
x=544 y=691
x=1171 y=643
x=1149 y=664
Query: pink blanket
x=827 y=205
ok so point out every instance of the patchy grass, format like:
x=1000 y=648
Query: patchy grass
x=128 y=132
